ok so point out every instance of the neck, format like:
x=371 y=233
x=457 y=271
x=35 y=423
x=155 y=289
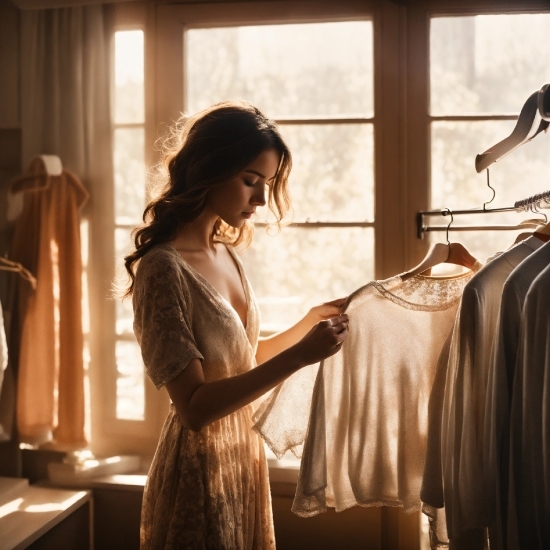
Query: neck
x=196 y=235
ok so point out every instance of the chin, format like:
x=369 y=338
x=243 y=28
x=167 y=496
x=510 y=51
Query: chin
x=236 y=224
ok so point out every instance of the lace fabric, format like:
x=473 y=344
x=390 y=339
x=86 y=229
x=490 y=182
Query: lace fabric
x=425 y=293
x=365 y=439
x=207 y=489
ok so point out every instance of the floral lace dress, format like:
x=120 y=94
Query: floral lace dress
x=207 y=489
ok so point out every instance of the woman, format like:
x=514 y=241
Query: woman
x=197 y=324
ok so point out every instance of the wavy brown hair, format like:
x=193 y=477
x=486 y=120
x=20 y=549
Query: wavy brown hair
x=203 y=152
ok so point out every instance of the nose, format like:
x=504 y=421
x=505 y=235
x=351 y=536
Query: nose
x=258 y=198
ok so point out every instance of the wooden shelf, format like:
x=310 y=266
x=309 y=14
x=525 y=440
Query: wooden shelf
x=28 y=512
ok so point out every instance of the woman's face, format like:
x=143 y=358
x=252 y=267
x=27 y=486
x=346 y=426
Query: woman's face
x=237 y=200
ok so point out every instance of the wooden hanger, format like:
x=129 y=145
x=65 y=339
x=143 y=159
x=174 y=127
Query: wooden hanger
x=16 y=267
x=543 y=230
x=450 y=253
x=530 y=123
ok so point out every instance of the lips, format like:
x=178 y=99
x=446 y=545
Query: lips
x=248 y=214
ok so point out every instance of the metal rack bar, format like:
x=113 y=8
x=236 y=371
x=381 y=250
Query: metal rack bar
x=315 y=225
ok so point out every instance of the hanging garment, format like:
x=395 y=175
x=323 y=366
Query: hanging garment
x=431 y=492
x=501 y=376
x=205 y=489
x=366 y=438
x=3 y=349
x=465 y=392
x=528 y=524
x=15 y=292
x=538 y=300
x=50 y=384
x=3 y=367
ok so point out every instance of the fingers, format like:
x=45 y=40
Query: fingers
x=329 y=309
x=339 y=302
x=338 y=322
x=338 y=326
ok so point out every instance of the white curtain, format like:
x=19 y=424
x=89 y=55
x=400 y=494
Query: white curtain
x=65 y=99
x=65 y=111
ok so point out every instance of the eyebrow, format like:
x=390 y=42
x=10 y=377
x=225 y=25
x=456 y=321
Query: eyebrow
x=259 y=174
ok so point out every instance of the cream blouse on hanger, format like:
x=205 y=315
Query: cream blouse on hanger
x=366 y=438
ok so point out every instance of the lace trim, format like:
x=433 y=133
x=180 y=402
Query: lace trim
x=421 y=293
x=378 y=503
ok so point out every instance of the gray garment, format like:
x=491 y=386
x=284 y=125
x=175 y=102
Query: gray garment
x=432 y=481
x=431 y=492
x=3 y=348
x=528 y=516
x=3 y=365
x=496 y=438
x=465 y=391
x=540 y=294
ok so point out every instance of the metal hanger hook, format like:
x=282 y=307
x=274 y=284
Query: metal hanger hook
x=448 y=212
x=492 y=189
x=536 y=210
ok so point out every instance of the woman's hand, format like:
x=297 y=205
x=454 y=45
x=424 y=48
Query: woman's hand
x=323 y=340
x=272 y=345
x=326 y=310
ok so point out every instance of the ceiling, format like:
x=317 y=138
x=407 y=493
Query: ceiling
x=47 y=4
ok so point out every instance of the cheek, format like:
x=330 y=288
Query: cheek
x=228 y=196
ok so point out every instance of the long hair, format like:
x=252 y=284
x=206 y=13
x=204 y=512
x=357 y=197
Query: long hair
x=203 y=152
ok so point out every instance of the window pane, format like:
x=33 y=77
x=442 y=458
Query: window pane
x=130 y=403
x=124 y=311
x=129 y=175
x=487 y=63
x=129 y=88
x=299 y=268
x=124 y=316
x=304 y=70
x=332 y=177
x=456 y=184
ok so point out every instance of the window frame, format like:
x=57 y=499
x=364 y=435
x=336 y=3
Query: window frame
x=401 y=120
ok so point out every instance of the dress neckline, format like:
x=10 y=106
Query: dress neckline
x=214 y=291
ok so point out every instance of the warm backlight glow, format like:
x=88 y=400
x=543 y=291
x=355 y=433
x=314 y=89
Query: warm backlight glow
x=128 y=57
x=53 y=506
x=10 y=507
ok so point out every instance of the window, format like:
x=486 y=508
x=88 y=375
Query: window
x=316 y=80
x=482 y=70
x=384 y=107
x=129 y=168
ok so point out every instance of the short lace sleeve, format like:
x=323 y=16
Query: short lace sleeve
x=163 y=313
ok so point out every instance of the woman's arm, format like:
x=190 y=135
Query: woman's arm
x=270 y=346
x=199 y=403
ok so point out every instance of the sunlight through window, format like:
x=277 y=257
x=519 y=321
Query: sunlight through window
x=129 y=175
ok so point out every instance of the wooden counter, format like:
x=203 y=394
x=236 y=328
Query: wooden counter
x=39 y=517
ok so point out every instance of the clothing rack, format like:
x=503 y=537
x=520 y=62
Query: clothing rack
x=533 y=119
x=422 y=228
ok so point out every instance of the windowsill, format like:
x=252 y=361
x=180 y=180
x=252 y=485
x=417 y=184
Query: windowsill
x=129 y=473
x=73 y=474
x=282 y=478
x=115 y=482
x=282 y=471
